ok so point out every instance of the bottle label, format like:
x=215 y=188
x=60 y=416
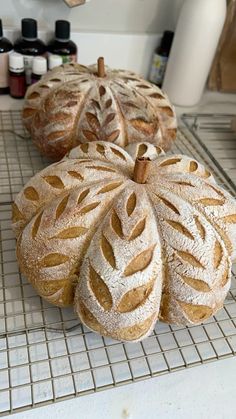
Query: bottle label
x=28 y=62
x=158 y=68
x=4 y=60
x=67 y=59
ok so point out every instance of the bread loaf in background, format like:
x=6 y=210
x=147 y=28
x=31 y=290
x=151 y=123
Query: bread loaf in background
x=72 y=104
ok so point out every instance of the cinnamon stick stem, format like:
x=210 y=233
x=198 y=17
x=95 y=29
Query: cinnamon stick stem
x=141 y=169
x=101 y=67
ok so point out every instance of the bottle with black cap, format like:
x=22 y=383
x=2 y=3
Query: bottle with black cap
x=62 y=45
x=5 y=48
x=29 y=45
x=17 y=75
x=160 y=58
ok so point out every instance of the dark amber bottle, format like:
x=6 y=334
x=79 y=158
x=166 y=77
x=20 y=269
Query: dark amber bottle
x=62 y=45
x=29 y=45
x=17 y=76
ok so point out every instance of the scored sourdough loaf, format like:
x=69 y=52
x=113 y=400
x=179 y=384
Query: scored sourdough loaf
x=128 y=237
x=73 y=104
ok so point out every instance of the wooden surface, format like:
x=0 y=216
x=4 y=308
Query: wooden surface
x=73 y=3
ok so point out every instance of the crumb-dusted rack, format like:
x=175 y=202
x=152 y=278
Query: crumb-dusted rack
x=46 y=355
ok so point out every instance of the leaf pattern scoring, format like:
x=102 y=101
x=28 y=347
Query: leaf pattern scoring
x=89 y=208
x=179 y=227
x=62 y=206
x=139 y=262
x=54 y=181
x=116 y=225
x=134 y=298
x=36 y=225
x=100 y=289
x=138 y=229
x=108 y=251
x=71 y=233
x=187 y=257
x=125 y=246
x=131 y=204
x=53 y=259
x=31 y=194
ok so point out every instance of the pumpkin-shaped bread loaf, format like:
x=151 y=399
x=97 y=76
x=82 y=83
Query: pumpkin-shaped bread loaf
x=73 y=104
x=139 y=239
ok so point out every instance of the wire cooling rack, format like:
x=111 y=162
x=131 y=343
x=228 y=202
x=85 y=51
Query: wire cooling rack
x=215 y=134
x=46 y=355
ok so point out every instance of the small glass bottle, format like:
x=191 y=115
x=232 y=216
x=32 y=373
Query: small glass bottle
x=160 y=58
x=29 y=45
x=17 y=82
x=39 y=68
x=5 y=48
x=54 y=61
x=62 y=45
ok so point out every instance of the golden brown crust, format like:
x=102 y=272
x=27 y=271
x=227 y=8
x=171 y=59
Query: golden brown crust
x=127 y=253
x=71 y=105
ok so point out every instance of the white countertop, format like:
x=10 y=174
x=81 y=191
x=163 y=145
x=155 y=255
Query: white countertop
x=204 y=391
x=212 y=102
x=201 y=392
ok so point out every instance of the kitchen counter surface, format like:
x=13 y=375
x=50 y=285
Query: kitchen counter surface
x=212 y=102
x=203 y=391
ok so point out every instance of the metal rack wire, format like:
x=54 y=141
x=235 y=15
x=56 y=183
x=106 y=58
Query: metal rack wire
x=46 y=355
x=215 y=135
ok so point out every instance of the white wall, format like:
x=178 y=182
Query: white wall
x=136 y=26
x=97 y=15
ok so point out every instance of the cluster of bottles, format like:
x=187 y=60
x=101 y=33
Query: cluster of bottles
x=25 y=61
